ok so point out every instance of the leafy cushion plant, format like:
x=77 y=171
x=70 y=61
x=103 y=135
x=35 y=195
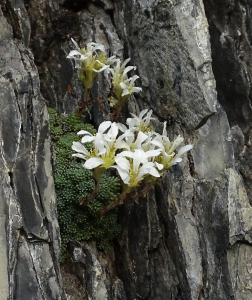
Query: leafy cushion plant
x=74 y=184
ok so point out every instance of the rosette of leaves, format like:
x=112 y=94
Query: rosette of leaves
x=73 y=183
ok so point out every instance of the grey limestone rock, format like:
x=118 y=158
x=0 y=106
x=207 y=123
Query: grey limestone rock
x=95 y=272
x=190 y=238
x=30 y=240
x=231 y=35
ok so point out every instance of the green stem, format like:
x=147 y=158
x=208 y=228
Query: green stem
x=87 y=94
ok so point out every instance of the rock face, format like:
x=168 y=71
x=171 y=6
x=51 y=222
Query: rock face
x=231 y=37
x=191 y=237
x=30 y=237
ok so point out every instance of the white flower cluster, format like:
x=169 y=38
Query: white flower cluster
x=135 y=150
x=92 y=63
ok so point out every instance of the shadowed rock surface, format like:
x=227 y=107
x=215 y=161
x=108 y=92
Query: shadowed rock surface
x=190 y=238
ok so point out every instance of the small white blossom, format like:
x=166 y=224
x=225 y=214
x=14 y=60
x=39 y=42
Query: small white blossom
x=128 y=86
x=85 y=54
x=89 y=57
x=168 y=157
x=105 y=144
x=141 y=122
x=119 y=71
x=133 y=171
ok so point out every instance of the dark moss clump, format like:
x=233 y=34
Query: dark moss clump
x=74 y=183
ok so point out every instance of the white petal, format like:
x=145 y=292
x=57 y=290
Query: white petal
x=104 y=126
x=124 y=63
x=153 y=153
x=75 y=53
x=141 y=137
x=139 y=157
x=126 y=153
x=100 y=70
x=125 y=92
x=123 y=163
x=157 y=143
x=176 y=143
x=142 y=173
x=148 y=165
x=123 y=174
x=79 y=155
x=136 y=89
x=148 y=118
x=145 y=169
x=177 y=160
x=122 y=145
x=166 y=141
x=184 y=149
x=84 y=132
x=99 y=47
x=87 y=139
x=159 y=166
x=154 y=172
x=98 y=142
x=112 y=72
x=93 y=162
x=130 y=138
x=103 y=151
x=75 y=44
x=122 y=127
x=111 y=60
x=142 y=113
x=114 y=130
x=123 y=85
x=164 y=129
x=129 y=68
x=133 y=79
x=78 y=147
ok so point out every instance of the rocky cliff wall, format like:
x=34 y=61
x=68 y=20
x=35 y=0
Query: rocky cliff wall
x=191 y=237
x=30 y=240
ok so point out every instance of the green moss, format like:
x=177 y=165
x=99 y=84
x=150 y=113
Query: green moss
x=73 y=183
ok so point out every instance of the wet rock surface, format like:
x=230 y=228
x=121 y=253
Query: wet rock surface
x=190 y=238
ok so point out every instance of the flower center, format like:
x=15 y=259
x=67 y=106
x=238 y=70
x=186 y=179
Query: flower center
x=133 y=177
x=109 y=159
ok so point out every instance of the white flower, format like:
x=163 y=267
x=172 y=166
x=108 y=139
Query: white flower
x=168 y=157
x=105 y=65
x=105 y=145
x=85 y=54
x=131 y=142
x=119 y=71
x=123 y=87
x=102 y=155
x=90 y=57
x=140 y=123
x=133 y=171
x=128 y=86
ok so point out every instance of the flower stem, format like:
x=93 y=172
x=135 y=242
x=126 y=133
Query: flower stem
x=84 y=102
x=116 y=202
x=125 y=196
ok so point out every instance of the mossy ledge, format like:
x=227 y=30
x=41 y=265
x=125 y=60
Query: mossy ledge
x=74 y=183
